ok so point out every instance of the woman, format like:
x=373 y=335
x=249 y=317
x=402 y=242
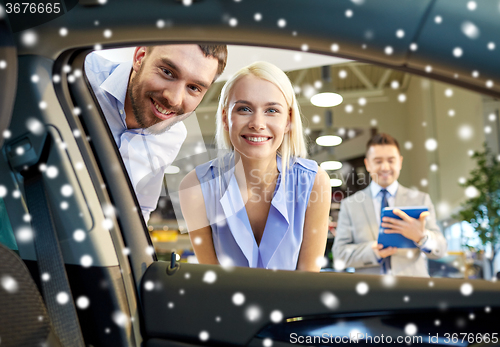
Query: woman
x=240 y=209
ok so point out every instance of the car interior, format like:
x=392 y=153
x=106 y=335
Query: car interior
x=80 y=267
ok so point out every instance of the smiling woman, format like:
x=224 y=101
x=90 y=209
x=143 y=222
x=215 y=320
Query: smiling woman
x=265 y=205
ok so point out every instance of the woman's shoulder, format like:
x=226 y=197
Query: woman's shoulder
x=214 y=167
x=304 y=164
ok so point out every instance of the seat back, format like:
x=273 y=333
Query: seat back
x=24 y=320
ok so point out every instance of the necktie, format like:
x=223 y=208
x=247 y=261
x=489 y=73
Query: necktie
x=384 y=203
x=384 y=262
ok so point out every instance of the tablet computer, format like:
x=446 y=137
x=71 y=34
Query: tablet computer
x=398 y=240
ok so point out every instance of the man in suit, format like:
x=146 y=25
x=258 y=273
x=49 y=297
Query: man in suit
x=359 y=219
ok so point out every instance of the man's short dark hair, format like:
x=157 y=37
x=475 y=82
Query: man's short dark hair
x=382 y=139
x=218 y=52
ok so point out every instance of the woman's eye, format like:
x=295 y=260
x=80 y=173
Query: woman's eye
x=272 y=110
x=244 y=109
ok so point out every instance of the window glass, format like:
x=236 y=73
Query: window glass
x=438 y=127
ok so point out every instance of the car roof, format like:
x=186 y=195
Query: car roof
x=451 y=40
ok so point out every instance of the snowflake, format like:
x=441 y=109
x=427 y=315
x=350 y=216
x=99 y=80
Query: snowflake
x=253 y=313
x=62 y=298
x=362 y=288
x=470 y=30
x=210 y=277
x=86 y=260
x=29 y=38
x=120 y=318
x=466 y=289
x=457 y=52
x=276 y=316
x=471 y=5
x=9 y=284
x=82 y=302
x=410 y=329
x=204 y=336
x=238 y=299
x=24 y=234
x=431 y=145
x=329 y=300
x=233 y=22
x=79 y=235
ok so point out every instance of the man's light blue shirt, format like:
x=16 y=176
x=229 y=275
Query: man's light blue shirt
x=145 y=156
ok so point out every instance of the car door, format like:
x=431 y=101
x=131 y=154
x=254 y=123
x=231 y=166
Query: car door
x=134 y=298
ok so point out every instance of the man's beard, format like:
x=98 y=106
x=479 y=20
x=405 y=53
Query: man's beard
x=154 y=126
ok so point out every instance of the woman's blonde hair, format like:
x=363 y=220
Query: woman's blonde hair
x=293 y=144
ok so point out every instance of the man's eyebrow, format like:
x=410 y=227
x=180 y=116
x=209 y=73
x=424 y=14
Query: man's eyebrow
x=378 y=158
x=172 y=65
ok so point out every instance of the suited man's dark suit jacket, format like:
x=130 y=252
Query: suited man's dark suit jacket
x=357 y=230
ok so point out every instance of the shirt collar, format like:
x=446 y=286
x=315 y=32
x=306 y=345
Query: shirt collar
x=392 y=188
x=117 y=82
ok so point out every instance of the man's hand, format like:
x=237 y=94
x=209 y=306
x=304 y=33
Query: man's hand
x=409 y=227
x=383 y=253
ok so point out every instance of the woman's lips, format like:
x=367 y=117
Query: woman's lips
x=256 y=143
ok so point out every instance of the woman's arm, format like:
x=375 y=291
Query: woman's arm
x=193 y=210
x=316 y=224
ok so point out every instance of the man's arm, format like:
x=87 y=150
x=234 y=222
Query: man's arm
x=355 y=255
x=434 y=244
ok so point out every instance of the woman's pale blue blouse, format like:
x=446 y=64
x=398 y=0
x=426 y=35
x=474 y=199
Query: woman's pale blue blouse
x=232 y=234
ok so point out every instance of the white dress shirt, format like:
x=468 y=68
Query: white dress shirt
x=145 y=156
x=377 y=196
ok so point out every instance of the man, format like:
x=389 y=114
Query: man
x=359 y=219
x=144 y=102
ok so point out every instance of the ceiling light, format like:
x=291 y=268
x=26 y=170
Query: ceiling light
x=328 y=137
x=325 y=97
x=331 y=165
x=335 y=182
x=329 y=140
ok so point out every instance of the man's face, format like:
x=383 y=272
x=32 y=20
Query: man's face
x=384 y=163
x=166 y=85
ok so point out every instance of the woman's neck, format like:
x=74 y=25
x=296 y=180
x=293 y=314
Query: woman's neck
x=257 y=172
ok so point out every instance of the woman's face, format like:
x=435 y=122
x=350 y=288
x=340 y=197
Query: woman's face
x=257 y=118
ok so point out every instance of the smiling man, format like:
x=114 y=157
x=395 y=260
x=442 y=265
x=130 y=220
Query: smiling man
x=359 y=219
x=144 y=102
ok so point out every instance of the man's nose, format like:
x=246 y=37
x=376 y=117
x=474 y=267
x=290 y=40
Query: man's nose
x=257 y=121
x=174 y=95
x=385 y=165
